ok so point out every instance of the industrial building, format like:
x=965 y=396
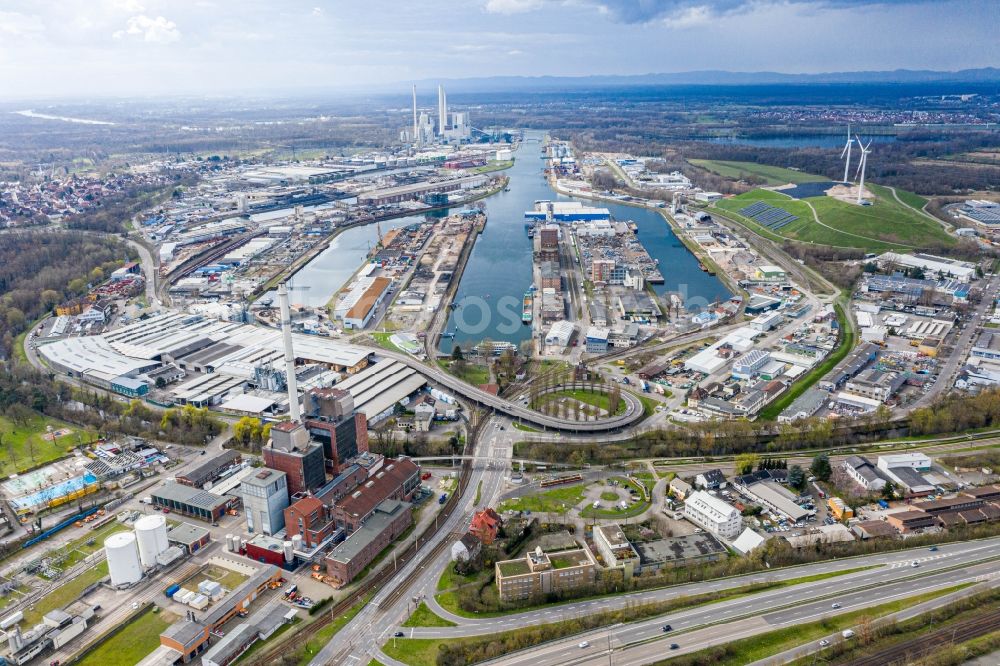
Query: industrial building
x=378 y=388
x=191 y=501
x=713 y=515
x=265 y=497
x=615 y=549
x=389 y=519
x=207 y=472
x=291 y=451
x=189 y=638
x=411 y=192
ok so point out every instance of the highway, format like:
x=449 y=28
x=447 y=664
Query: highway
x=714 y=624
x=889 y=569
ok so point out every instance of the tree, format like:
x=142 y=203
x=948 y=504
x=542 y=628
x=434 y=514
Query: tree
x=745 y=462
x=247 y=430
x=820 y=467
x=796 y=477
x=888 y=490
x=456 y=353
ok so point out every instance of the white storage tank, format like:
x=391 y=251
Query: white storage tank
x=289 y=555
x=229 y=543
x=297 y=542
x=151 y=535
x=123 y=558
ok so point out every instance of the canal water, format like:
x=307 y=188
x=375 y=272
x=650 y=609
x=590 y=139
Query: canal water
x=328 y=271
x=499 y=270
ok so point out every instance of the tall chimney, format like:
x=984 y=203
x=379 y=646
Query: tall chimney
x=416 y=137
x=286 y=335
x=442 y=110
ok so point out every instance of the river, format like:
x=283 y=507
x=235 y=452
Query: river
x=499 y=270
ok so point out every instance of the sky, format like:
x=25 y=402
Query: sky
x=61 y=48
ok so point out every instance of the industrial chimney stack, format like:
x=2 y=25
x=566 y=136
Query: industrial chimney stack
x=286 y=335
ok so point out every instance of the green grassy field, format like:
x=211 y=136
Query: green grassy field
x=425 y=617
x=557 y=500
x=772 y=175
x=28 y=445
x=130 y=645
x=771 y=412
x=593 y=398
x=89 y=542
x=886 y=224
x=469 y=372
x=911 y=199
x=63 y=594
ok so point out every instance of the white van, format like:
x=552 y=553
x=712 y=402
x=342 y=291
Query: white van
x=847 y=633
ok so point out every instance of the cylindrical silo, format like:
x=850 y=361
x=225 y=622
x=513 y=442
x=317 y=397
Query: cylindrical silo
x=151 y=535
x=289 y=555
x=297 y=542
x=229 y=543
x=123 y=558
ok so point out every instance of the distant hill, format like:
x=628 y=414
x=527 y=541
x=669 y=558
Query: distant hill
x=716 y=77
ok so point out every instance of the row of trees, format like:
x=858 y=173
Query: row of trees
x=952 y=413
x=250 y=433
x=39 y=270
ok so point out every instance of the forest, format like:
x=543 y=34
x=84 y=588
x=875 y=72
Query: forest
x=41 y=269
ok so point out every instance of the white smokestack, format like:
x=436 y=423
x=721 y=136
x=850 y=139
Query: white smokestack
x=442 y=110
x=286 y=335
x=416 y=137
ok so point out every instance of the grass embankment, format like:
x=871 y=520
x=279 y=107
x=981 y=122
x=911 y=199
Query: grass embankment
x=910 y=199
x=133 y=642
x=597 y=399
x=843 y=348
x=64 y=593
x=771 y=175
x=86 y=544
x=885 y=224
x=494 y=165
x=557 y=500
x=761 y=646
x=479 y=493
x=425 y=617
x=887 y=635
x=383 y=341
x=468 y=372
x=524 y=428
x=425 y=651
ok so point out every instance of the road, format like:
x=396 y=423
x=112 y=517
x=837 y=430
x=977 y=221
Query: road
x=699 y=627
x=361 y=639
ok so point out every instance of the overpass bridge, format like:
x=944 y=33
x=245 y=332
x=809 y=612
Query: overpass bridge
x=633 y=406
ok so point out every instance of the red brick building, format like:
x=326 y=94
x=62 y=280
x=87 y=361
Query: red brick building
x=291 y=452
x=396 y=480
x=387 y=521
x=485 y=525
x=310 y=518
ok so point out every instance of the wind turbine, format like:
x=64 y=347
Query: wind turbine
x=865 y=150
x=847 y=151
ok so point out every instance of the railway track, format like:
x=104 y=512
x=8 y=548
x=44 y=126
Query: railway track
x=908 y=652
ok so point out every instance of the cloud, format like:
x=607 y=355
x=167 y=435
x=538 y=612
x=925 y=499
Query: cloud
x=152 y=30
x=513 y=6
x=14 y=24
x=317 y=11
x=678 y=13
